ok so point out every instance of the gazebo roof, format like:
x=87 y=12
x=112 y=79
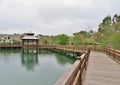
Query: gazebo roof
x=30 y=33
x=29 y=38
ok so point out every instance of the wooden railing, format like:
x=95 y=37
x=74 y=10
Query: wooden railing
x=73 y=49
x=47 y=46
x=75 y=74
x=7 y=46
x=115 y=54
x=27 y=46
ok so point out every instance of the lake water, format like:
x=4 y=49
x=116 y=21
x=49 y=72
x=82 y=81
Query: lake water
x=18 y=67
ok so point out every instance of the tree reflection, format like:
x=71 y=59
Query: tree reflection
x=29 y=58
x=6 y=54
x=62 y=59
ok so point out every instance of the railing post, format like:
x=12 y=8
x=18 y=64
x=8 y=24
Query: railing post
x=80 y=81
x=104 y=50
x=114 y=54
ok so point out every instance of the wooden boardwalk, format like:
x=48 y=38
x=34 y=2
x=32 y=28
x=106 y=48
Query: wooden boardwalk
x=102 y=70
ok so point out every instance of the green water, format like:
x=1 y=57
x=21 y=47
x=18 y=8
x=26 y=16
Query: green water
x=36 y=68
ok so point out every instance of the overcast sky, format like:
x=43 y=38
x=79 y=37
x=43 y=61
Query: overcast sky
x=52 y=17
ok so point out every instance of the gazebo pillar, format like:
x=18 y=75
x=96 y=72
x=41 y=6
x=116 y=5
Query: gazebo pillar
x=37 y=42
x=22 y=42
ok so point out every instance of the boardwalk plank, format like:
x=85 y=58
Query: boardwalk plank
x=102 y=70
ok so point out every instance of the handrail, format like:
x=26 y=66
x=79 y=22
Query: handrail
x=10 y=45
x=115 y=54
x=46 y=46
x=74 y=75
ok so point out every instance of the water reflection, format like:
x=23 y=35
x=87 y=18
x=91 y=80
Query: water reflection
x=44 y=66
x=62 y=59
x=29 y=58
x=8 y=52
x=5 y=54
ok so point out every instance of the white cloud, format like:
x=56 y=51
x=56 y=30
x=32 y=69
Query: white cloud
x=54 y=16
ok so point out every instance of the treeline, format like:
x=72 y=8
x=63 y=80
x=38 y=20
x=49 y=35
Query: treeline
x=108 y=35
x=80 y=38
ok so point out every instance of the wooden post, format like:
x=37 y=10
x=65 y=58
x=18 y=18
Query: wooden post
x=114 y=53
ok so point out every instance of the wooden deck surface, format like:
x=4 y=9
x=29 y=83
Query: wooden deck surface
x=102 y=70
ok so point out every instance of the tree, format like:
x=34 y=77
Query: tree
x=91 y=32
x=106 y=21
x=77 y=39
x=116 y=22
x=105 y=31
x=88 y=41
x=62 y=39
x=115 y=40
x=83 y=33
x=80 y=37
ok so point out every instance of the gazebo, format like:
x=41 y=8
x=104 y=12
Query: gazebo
x=30 y=40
